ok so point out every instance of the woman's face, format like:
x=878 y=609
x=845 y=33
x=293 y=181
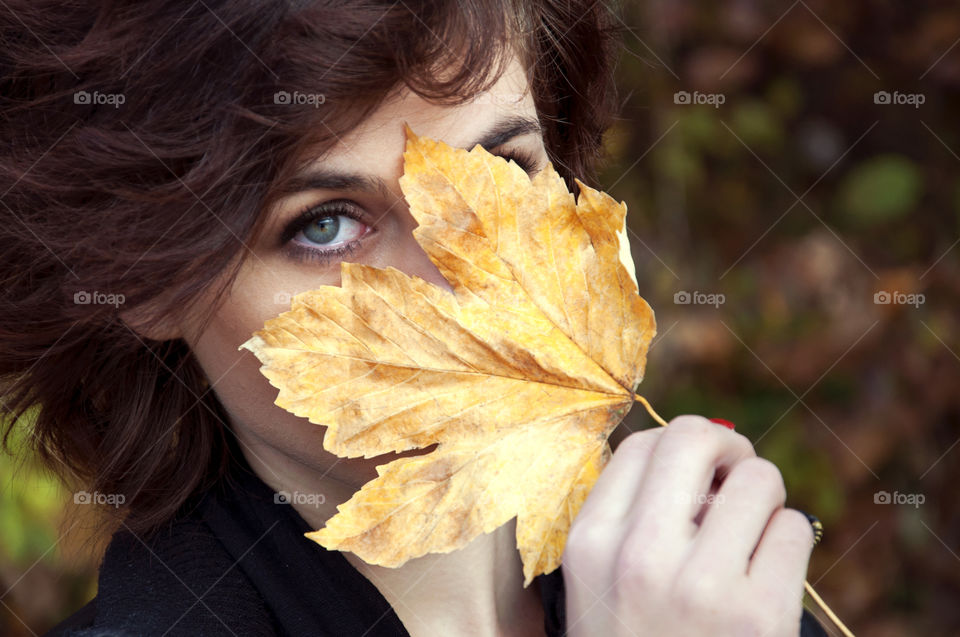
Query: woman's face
x=356 y=212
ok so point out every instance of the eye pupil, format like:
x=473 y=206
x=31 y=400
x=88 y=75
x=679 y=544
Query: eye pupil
x=322 y=230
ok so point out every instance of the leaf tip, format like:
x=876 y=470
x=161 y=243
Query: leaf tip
x=252 y=344
x=321 y=538
x=409 y=134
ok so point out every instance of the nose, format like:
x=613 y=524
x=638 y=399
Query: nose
x=412 y=259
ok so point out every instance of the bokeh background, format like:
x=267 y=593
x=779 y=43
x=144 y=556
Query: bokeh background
x=816 y=178
x=788 y=168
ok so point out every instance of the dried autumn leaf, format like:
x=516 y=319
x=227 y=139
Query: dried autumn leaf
x=519 y=376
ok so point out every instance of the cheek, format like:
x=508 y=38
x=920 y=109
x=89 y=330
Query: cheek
x=235 y=376
x=233 y=373
x=269 y=435
x=275 y=436
x=260 y=292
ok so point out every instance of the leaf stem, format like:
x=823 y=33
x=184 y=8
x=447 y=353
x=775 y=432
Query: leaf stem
x=826 y=609
x=643 y=401
x=819 y=600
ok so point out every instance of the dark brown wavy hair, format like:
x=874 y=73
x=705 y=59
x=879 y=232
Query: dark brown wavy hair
x=141 y=144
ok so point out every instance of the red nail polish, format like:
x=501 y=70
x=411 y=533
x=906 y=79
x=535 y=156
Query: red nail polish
x=721 y=421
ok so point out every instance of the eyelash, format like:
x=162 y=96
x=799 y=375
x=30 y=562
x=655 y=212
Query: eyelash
x=333 y=208
x=524 y=159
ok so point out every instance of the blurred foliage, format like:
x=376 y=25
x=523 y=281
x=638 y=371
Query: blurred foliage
x=798 y=198
x=880 y=189
x=45 y=571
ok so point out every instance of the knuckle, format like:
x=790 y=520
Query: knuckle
x=699 y=433
x=693 y=435
x=691 y=426
x=699 y=590
x=795 y=528
x=588 y=543
x=638 y=443
x=746 y=447
x=763 y=474
x=636 y=569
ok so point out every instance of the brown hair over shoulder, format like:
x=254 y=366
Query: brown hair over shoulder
x=142 y=142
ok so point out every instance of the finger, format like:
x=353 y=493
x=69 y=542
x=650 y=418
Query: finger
x=741 y=509
x=681 y=467
x=780 y=560
x=589 y=557
x=614 y=490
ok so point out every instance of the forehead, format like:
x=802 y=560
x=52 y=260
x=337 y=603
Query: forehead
x=377 y=144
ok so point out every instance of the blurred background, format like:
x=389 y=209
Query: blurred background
x=791 y=174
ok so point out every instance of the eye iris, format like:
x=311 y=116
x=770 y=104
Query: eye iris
x=322 y=230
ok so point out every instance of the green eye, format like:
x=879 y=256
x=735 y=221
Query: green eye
x=329 y=229
x=322 y=230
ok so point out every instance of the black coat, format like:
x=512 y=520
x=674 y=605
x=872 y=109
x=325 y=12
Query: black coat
x=237 y=564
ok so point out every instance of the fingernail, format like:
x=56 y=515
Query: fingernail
x=724 y=422
x=817 y=527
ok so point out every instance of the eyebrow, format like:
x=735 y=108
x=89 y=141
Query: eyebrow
x=326 y=179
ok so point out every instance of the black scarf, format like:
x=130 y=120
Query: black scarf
x=237 y=564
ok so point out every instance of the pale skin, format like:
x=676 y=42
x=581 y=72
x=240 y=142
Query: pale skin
x=661 y=561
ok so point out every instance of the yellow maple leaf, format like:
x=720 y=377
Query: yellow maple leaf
x=518 y=376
